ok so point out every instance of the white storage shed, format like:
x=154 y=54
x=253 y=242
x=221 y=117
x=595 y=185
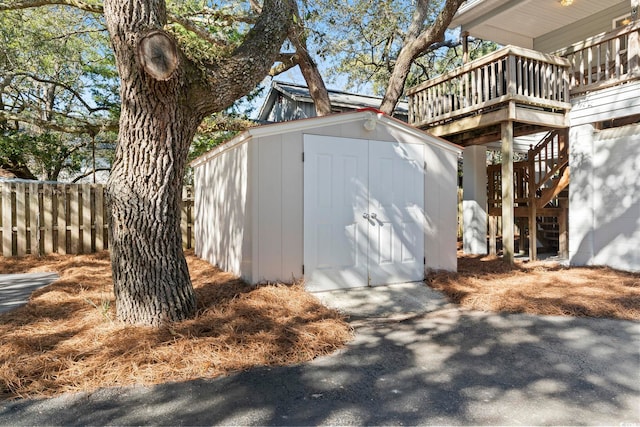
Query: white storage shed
x=346 y=200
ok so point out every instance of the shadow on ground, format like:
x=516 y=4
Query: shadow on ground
x=446 y=367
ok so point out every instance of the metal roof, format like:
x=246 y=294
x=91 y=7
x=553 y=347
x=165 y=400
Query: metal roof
x=300 y=93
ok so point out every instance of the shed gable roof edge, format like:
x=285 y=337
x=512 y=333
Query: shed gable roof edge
x=332 y=119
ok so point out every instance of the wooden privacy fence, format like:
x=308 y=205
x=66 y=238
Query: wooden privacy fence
x=42 y=218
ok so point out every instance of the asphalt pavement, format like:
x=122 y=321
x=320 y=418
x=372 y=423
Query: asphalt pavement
x=432 y=365
x=15 y=289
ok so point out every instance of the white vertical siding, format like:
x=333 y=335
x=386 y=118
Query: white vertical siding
x=222 y=211
x=278 y=210
x=581 y=194
x=605 y=198
x=441 y=209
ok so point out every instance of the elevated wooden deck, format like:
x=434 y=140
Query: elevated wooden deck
x=530 y=89
x=468 y=104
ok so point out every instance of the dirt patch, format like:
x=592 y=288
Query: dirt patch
x=66 y=339
x=489 y=284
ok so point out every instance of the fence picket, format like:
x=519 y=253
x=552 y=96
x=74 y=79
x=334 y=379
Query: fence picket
x=99 y=218
x=48 y=204
x=85 y=218
x=61 y=224
x=21 y=221
x=7 y=221
x=34 y=219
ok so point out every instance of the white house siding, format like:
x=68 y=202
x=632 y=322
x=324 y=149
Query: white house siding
x=222 y=206
x=606 y=104
x=605 y=197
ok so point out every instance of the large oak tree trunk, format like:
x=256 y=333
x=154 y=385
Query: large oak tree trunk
x=165 y=96
x=150 y=274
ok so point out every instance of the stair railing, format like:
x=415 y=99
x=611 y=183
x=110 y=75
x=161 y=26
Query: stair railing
x=547 y=160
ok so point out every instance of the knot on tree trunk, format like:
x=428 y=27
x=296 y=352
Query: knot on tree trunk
x=158 y=54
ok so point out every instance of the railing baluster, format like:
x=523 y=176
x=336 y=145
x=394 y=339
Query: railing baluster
x=617 y=53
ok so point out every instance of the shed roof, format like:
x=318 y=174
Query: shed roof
x=364 y=114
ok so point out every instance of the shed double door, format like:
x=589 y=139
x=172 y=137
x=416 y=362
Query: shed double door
x=363 y=212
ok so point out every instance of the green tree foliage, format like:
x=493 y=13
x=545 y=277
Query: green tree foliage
x=58 y=89
x=361 y=39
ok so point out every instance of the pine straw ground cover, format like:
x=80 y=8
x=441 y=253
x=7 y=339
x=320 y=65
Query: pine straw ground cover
x=66 y=339
x=489 y=284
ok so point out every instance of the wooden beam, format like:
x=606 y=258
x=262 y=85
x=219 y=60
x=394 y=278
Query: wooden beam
x=508 y=247
x=493 y=232
x=465 y=46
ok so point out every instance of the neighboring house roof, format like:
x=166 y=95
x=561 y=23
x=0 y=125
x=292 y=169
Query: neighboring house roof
x=340 y=101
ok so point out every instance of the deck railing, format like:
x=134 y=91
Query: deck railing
x=509 y=74
x=604 y=60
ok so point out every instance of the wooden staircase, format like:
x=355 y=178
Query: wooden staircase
x=540 y=194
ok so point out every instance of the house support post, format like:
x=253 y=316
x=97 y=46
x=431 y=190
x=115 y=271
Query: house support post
x=474 y=200
x=507 y=192
x=464 y=36
x=493 y=233
x=634 y=42
x=533 y=224
x=522 y=238
x=563 y=236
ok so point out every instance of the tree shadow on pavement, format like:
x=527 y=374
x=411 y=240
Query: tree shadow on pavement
x=446 y=367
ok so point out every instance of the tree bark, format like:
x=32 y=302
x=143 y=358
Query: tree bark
x=163 y=104
x=150 y=275
x=418 y=40
x=309 y=69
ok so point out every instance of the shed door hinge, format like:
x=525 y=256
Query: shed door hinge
x=425 y=165
x=303 y=156
x=302 y=268
x=424 y=260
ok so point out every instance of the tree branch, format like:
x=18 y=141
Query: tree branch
x=287 y=62
x=65 y=86
x=26 y=4
x=309 y=68
x=196 y=29
x=82 y=127
x=418 y=39
x=232 y=77
x=86 y=174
